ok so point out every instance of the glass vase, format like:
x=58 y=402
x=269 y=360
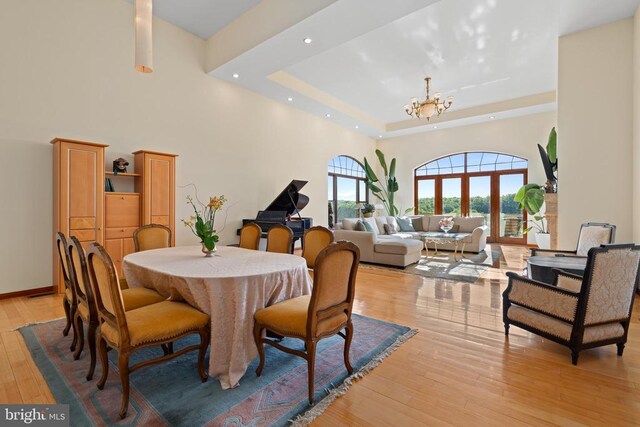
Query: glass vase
x=208 y=252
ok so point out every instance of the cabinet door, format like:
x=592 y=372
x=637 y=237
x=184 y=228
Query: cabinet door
x=160 y=186
x=122 y=210
x=114 y=248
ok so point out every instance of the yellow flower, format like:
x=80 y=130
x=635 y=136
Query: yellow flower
x=216 y=202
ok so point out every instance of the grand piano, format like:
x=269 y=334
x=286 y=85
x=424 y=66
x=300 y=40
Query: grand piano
x=285 y=210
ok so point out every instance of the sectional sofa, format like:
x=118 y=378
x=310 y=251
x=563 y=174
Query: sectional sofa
x=403 y=248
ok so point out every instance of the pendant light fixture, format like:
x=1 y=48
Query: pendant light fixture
x=144 y=43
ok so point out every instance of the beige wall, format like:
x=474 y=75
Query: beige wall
x=636 y=126
x=595 y=124
x=67 y=71
x=517 y=136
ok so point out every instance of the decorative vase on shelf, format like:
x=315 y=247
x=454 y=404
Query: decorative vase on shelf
x=208 y=252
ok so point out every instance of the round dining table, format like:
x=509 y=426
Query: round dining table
x=230 y=286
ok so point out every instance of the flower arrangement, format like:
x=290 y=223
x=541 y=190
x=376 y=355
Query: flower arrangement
x=446 y=223
x=202 y=223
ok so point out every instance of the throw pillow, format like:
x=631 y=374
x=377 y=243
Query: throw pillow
x=368 y=227
x=417 y=223
x=405 y=224
x=390 y=229
x=455 y=229
x=360 y=226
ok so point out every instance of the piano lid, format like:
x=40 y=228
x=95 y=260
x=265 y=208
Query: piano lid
x=290 y=200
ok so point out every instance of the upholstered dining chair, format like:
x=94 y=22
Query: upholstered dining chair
x=129 y=331
x=86 y=310
x=578 y=312
x=279 y=239
x=326 y=312
x=592 y=234
x=69 y=302
x=250 y=236
x=151 y=236
x=315 y=239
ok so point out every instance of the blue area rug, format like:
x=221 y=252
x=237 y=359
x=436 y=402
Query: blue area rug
x=171 y=393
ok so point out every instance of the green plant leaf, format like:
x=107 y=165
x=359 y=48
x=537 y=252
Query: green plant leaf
x=382 y=161
x=374 y=188
x=392 y=168
x=210 y=242
x=371 y=176
x=552 y=148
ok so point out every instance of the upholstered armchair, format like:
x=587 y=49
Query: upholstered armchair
x=592 y=234
x=69 y=302
x=578 y=312
x=250 y=236
x=315 y=239
x=280 y=239
x=151 y=236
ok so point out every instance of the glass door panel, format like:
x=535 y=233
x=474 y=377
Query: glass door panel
x=451 y=196
x=426 y=196
x=511 y=216
x=480 y=199
x=347 y=188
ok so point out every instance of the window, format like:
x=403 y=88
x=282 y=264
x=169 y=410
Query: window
x=347 y=188
x=474 y=184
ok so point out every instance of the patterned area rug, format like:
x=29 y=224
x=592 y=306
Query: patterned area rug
x=443 y=265
x=171 y=393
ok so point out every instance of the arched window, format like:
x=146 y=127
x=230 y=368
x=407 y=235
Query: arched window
x=347 y=188
x=475 y=184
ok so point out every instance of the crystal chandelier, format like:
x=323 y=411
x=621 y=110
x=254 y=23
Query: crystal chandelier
x=428 y=107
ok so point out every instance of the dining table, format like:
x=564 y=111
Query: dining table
x=229 y=286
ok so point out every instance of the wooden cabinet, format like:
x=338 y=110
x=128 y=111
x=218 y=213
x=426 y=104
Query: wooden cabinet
x=122 y=217
x=78 y=194
x=156 y=185
x=81 y=207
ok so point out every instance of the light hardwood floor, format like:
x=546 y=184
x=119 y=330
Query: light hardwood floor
x=459 y=369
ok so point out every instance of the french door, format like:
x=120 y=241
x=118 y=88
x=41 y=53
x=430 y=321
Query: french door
x=486 y=194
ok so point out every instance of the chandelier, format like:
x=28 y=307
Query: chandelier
x=428 y=107
x=143 y=24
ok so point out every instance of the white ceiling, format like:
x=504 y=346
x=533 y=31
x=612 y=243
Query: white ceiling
x=369 y=57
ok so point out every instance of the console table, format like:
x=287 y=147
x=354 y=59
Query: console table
x=540 y=268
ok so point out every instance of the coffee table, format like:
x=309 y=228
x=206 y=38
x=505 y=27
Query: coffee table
x=438 y=238
x=540 y=268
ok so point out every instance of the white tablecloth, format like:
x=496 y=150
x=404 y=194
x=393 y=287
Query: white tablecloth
x=230 y=286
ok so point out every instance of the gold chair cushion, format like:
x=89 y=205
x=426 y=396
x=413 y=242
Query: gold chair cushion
x=139 y=297
x=158 y=322
x=83 y=310
x=289 y=318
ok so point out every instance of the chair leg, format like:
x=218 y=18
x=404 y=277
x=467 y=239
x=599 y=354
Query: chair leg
x=205 y=337
x=311 y=362
x=167 y=348
x=506 y=329
x=91 y=337
x=104 y=362
x=80 y=333
x=257 y=337
x=620 y=348
x=574 y=357
x=72 y=312
x=67 y=315
x=347 y=346
x=123 y=367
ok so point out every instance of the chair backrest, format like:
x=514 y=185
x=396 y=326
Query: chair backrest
x=315 y=239
x=63 y=255
x=279 y=239
x=151 y=236
x=106 y=291
x=609 y=284
x=80 y=274
x=334 y=282
x=594 y=234
x=250 y=236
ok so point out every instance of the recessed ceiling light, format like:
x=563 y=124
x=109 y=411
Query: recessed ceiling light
x=379 y=136
x=307 y=40
x=492 y=117
x=327 y=115
x=289 y=99
x=236 y=75
x=435 y=127
x=357 y=127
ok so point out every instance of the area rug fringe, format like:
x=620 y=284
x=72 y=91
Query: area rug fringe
x=320 y=407
x=37 y=323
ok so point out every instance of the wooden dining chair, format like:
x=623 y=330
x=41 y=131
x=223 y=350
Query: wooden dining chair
x=326 y=312
x=86 y=309
x=250 y=236
x=280 y=239
x=69 y=302
x=151 y=236
x=315 y=239
x=129 y=331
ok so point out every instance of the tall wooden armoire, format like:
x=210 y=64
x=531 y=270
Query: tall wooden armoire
x=78 y=195
x=156 y=185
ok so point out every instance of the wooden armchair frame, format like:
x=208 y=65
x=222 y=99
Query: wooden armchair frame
x=315 y=315
x=112 y=313
x=136 y=239
x=69 y=301
x=559 y=252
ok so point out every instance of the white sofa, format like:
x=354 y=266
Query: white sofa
x=404 y=248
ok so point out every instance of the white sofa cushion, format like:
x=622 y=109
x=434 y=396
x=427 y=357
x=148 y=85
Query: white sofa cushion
x=349 y=223
x=468 y=224
x=380 y=222
x=372 y=221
